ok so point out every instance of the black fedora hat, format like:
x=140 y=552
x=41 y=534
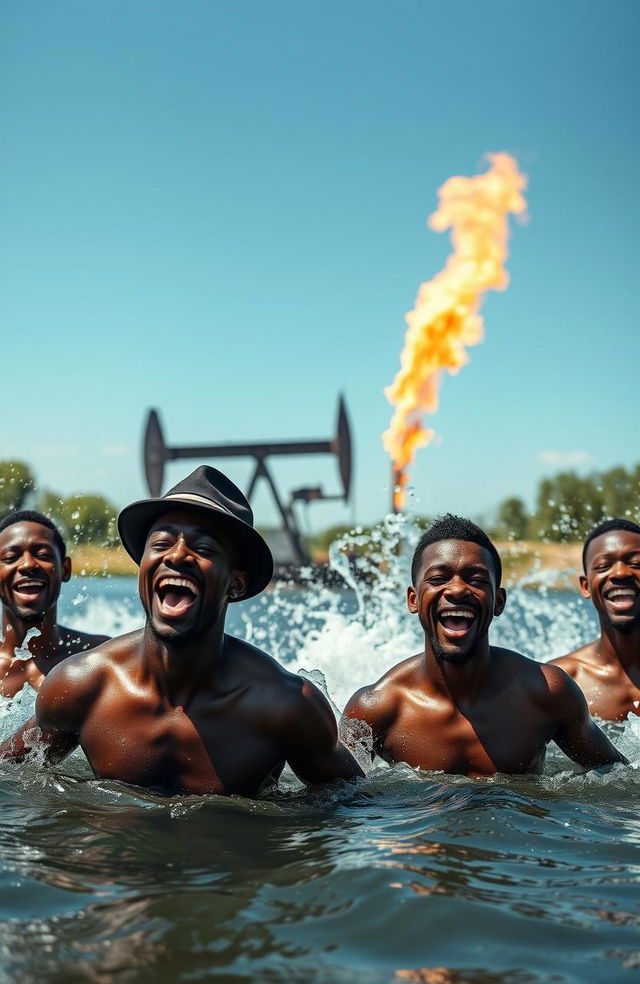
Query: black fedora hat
x=206 y=490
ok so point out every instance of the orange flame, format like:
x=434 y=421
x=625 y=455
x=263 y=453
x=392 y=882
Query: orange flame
x=445 y=317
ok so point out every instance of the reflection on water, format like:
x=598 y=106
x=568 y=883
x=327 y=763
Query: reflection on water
x=399 y=877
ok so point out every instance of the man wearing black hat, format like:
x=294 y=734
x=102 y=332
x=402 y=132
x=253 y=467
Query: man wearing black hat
x=179 y=706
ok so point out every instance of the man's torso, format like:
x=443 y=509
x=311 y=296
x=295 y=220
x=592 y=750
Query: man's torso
x=227 y=741
x=610 y=691
x=506 y=728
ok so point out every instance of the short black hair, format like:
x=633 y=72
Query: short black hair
x=450 y=527
x=31 y=516
x=606 y=527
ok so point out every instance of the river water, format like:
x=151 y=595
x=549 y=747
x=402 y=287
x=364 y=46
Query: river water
x=401 y=876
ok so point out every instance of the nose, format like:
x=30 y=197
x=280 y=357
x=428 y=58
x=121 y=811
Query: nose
x=180 y=552
x=457 y=587
x=27 y=561
x=621 y=570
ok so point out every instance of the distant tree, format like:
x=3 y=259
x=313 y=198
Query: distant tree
x=620 y=491
x=16 y=482
x=512 y=521
x=568 y=506
x=88 y=519
x=52 y=505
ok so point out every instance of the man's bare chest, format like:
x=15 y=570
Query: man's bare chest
x=210 y=748
x=610 y=696
x=496 y=737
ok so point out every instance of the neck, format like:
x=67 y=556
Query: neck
x=14 y=631
x=462 y=680
x=620 y=647
x=183 y=670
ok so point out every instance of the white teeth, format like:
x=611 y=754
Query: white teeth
x=27 y=584
x=458 y=613
x=179 y=582
x=621 y=593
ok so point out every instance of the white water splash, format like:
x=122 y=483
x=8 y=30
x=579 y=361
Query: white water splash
x=23 y=651
x=345 y=639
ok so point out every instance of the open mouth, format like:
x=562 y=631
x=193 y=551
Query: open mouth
x=176 y=595
x=456 y=622
x=621 y=599
x=28 y=590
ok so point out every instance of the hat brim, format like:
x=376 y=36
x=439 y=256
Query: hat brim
x=252 y=553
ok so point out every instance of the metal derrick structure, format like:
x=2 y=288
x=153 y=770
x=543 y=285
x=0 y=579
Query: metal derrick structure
x=156 y=453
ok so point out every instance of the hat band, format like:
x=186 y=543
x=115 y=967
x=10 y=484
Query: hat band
x=200 y=500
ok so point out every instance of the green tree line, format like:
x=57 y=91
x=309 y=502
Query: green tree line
x=81 y=518
x=569 y=505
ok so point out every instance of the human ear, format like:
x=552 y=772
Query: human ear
x=584 y=586
x=239 y=580
x=66 y=569
x=412 y=600
x=501 y=600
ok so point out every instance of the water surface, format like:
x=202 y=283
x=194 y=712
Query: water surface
x=401 y=876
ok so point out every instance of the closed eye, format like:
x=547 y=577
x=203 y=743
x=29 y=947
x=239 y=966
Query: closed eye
x=207 y=549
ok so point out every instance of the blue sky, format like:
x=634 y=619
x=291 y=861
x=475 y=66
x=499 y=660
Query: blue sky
x=219 y=209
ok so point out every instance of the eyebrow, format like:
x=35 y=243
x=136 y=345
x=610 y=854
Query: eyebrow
x=12 y=544
x=608 y=554
x=470 y=569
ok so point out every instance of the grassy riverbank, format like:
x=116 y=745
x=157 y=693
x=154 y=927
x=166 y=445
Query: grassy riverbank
x=538 y=562
x=530 y=560
x=94 y=560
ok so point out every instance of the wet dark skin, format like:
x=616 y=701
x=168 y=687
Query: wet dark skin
x=608 y=669
x=179 y=706
x=463 y=706
x=31 y=574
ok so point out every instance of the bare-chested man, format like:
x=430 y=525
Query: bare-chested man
x=461 y=705
x=33 y=566
x=178 y=706
x=608 y=669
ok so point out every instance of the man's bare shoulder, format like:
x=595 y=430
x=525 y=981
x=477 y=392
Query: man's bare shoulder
x=584 y=658
x=537 y=679
x=546 y=685
x=254 y=665
x=381 y=699
x=262 y=671
x=290 y=700
x=77 y=677
x=550 y=687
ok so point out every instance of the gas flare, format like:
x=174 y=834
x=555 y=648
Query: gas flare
x=446 y=314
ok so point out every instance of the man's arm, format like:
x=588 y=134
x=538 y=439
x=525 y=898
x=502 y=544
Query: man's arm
x=50 y=744
x=577 y=734
x=313 y=750
x=377 y=707
x=61 y=707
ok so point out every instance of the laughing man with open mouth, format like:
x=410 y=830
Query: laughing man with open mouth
x=608 y=669
x=180 y=706
x=463 y=706
x=33 y=567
